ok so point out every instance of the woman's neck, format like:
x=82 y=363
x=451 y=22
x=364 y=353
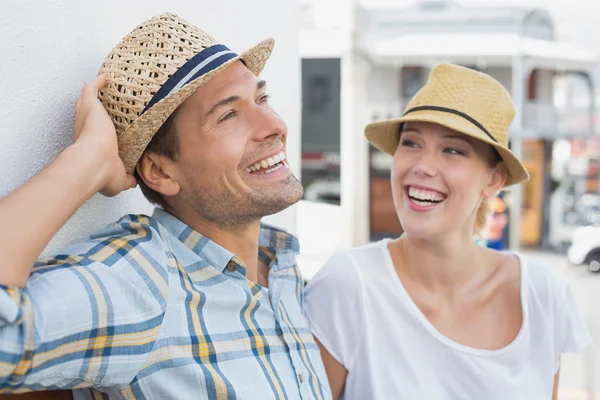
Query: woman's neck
x=439 y=265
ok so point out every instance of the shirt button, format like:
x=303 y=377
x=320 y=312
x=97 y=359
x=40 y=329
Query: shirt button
x=231 y=267
x=300 y=378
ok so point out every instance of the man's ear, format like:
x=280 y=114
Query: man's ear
x=153 y=170
x=497 y=181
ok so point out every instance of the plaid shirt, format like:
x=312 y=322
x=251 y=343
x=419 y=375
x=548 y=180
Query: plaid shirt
x=148 y=308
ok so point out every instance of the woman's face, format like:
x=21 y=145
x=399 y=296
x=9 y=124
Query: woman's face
x=439 y=177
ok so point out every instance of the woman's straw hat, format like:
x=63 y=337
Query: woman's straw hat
x=462 y=99
x=156 y=68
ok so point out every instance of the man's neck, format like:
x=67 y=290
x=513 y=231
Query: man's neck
x=241 y=240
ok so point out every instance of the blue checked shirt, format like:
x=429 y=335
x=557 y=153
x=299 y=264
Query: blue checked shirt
x=148 y=308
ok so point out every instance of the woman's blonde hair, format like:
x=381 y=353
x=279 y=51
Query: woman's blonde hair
x=481 y=219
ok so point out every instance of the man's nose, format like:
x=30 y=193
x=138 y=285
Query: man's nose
x=268 y=124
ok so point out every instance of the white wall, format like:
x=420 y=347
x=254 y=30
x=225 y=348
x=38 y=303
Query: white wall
x=51 y=48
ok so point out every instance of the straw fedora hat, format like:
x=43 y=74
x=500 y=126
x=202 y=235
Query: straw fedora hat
x=462 y=99
x=157 y=67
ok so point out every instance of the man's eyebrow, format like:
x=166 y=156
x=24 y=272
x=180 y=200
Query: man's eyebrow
x=231 y=99
x=221 y=103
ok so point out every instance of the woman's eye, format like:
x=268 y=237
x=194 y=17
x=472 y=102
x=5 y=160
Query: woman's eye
x=455 y=152
x=408 y=143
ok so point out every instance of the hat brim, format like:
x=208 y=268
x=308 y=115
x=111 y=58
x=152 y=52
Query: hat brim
x=385 y=135
x=134 y=140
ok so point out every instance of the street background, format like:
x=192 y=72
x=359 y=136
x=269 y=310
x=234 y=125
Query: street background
x=362 y=61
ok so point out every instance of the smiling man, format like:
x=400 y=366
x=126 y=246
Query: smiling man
x=197 y=301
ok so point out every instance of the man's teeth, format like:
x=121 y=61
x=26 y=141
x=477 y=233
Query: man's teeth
x=266 y=163
x=425 y=195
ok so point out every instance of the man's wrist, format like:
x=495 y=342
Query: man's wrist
x=86 y=168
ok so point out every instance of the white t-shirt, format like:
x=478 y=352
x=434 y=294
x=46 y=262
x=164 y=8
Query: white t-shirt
x=359 y=310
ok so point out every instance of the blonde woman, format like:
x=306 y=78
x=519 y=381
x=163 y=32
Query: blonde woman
x=432 y=315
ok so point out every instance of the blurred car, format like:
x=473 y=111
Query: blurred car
x=585 y=245
x=325 y=191
x=588 y=209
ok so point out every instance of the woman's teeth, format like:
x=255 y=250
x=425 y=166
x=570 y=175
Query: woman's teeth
x=267 y=165
x=425 y=197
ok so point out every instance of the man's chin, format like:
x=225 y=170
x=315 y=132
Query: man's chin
x=280 y=207
x=282 y=198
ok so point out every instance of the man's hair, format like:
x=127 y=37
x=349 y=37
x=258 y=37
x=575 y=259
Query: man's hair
x=164 y=142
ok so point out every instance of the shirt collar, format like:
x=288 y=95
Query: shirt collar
x=277 y=240
x=272 y=241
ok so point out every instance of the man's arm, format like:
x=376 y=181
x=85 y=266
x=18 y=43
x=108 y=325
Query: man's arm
x=56 y=329
x=33 y=213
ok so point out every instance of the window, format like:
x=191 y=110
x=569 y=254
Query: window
x=320 y=95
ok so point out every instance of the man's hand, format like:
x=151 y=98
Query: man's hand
x=95 y=136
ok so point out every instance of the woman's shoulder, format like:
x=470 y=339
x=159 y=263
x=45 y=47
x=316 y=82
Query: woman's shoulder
x=349 y=267
x=367 y=252
x=551 y=299
x=543 y=279
x=364 y=260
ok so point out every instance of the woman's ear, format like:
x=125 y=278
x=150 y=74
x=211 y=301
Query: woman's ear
x=497 y=180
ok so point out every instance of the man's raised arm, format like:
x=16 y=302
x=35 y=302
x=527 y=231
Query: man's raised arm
x=33 y=213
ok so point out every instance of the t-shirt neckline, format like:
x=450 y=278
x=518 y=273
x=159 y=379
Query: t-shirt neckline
x=443 y=338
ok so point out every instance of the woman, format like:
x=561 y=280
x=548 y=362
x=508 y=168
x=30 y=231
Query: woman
x=432 y=315
x=497 y=224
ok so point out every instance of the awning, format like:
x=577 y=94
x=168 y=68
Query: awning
x=490 y=48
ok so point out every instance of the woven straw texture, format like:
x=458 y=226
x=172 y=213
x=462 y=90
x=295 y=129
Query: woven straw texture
x=142 y=62
x=469 y=92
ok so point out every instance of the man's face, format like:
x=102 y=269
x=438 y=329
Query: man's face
x=231 y=166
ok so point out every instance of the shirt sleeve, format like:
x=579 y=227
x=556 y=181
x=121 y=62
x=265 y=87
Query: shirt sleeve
x=334 y=304
x=573 y=332
x=87 y=317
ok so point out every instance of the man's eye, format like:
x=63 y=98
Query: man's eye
x=264 y=98
x=227 y=116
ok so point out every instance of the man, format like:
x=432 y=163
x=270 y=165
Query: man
x=197 y=301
